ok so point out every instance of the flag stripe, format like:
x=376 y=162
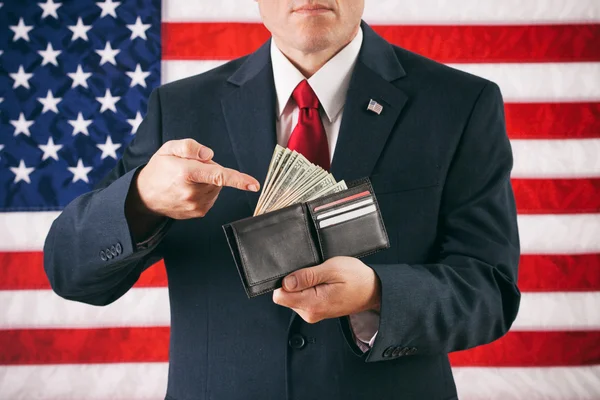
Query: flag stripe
x=571 y=158
x=534 y=349
x=563 y=273
x=553 y=120
x=525 y=82
x=151 y=344
x=519 y=383
x=141 y=381
x=539 y=234
x=139 y=307
x=559 y=234
x=424 y=11
x=146 y=381
x=487 y=44
x=557 y=196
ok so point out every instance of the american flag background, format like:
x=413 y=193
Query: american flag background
x=74 y=80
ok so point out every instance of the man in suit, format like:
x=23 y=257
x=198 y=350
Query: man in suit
x=377 y=328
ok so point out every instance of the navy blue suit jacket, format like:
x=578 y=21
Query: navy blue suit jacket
x=439 y=160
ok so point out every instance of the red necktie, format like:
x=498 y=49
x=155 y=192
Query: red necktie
x=309 y=137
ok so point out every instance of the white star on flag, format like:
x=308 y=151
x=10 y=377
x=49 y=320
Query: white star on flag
x=80 y=125
x=22 y=125
x=80 y=172
x=138 y=77
x=50 y=149
x=108 y=54
x=138 y=29
x=135 y=123
x=79 y=30
x=21 y=30
x=109 y=7
x=109 y=149
x=50 y=102
x=49 y=55
x=22 y=172
x=108 y=102
x=79 y=77
x=49 y=8
x=21 y=78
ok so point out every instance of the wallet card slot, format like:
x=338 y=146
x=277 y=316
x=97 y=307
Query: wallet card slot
x=343 y=200
x=345 y=207
x=347 y=216
x=355 y=237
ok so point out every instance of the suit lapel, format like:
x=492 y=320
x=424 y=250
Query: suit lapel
x=250 y=116
x=363 y=133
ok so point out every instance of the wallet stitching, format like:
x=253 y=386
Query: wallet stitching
x=244 y=260
x=308 y=236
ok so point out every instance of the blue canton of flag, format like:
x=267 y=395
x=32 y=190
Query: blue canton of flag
x=75 y=77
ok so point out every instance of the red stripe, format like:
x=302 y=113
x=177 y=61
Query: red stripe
x=74 y=346
x=449 y=44
x=557 y=273
x=117 y=345
x=25 y=271
x=534 y=349
x=557 y=196
x=553 y=120
x=545 y=273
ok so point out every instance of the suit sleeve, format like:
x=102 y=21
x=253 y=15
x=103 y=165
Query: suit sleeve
x=470 y=296
x=89 y=253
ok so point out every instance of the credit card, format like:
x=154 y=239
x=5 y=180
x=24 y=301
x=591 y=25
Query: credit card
x=349 y=207
x=347 y=216
x=341 y=201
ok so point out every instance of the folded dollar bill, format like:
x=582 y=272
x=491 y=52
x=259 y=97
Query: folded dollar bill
x=293 y=179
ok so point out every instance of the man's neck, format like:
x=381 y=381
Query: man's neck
x=309 y=63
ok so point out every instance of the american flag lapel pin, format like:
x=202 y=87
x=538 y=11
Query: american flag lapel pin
x=375 y=107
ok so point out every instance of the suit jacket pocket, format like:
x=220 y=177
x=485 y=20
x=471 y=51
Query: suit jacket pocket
x=418 y=177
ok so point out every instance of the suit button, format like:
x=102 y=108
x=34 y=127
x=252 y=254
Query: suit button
x=388 y=352
x=119 y=248
x=108 y=254
x=113 y=251
x=398 y=351
x=102 y=255
x=297 y=341
x=411 y=351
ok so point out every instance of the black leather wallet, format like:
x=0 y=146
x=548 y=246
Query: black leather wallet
x=268 y=247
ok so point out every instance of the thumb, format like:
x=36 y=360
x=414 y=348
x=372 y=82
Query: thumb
x=186 y=148
x=306 y=278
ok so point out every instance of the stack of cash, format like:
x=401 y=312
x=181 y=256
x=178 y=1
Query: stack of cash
x=293 y=179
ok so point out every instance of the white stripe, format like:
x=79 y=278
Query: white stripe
x=347 y=216
x=550 y=383
x=530 y=82
x=22 y=309
x=25 y=231
x=571 y=158
x=519 y=82
x=131 y=381
x=539 y=234
x=25 y=309
x=564 y=311
x=559 y=233
x=146 y=381
x=408 y=12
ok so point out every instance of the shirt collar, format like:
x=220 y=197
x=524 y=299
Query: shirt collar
x=330 y=83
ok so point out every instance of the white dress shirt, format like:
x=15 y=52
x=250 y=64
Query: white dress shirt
x=330 y=84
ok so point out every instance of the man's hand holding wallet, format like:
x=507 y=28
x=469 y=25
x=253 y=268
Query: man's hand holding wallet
x=304 y=237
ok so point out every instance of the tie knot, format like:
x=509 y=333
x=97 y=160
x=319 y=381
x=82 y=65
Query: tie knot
x=304 y=96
